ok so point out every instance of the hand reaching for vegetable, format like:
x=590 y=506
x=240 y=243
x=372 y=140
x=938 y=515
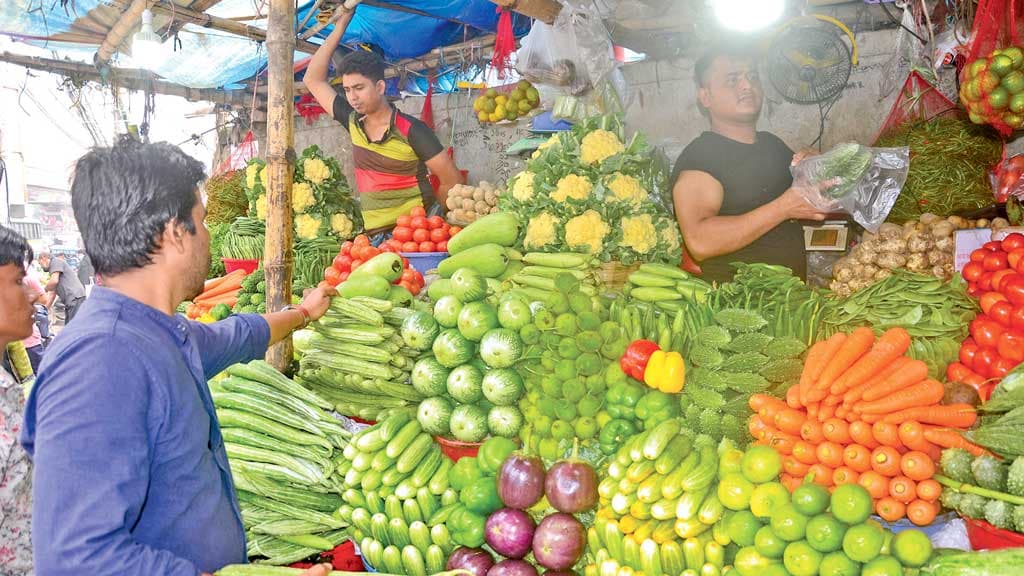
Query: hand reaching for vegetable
x=318 y=300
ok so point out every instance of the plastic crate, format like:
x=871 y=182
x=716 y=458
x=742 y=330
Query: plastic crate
x=456 y=450
x=424 y=262
x=230 y=265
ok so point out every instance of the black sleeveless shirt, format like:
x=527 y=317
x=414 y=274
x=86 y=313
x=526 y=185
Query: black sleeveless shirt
x=751 y=175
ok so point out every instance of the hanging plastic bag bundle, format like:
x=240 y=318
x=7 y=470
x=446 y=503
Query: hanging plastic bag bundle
x=860 y=181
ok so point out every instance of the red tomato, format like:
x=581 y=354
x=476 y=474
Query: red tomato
x=455 y=230
x=973 y=270
x=332 y=276
x=402 y=233
x=1002 y=313
x=355 y=265
x=446 y=227
x=984 y=360
x=986 y=332
x=957 y=372
x=418 y=211
x=990 y=298
x=435 y=222
x=978 y=255
x=342 y=263
x=396 y=244
x=428 y=246
x=995 y=261
x=362 y=240
x=410 y=247
x=408 y=274
x=1017 y=318
x=345 y=275
x=967 y=351
x=419 y=277
x=405 y=262
x=992 y=246
x=1014 y=259
x=1014 y=241
x=1011 y=346
x=438 y=235
x=419 y=222
x=420 y=235
x=346 y=247
x=359 y=253
x=999 y=275
x=404 y=220
x=1002 y=366
x=973 y=290
x=442 y=246
x=1013 y=288
x=985 y=282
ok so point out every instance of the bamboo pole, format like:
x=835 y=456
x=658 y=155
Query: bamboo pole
x=128 y=20
x=278 y=258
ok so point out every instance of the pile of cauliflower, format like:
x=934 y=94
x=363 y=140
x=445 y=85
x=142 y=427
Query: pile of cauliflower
x=585 y=191
x=924 y=246
x=468 y=203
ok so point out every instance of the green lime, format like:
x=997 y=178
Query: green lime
x=912 y=547
x=851 y=503
x=1015 y=54
x=838 y=564
x=750 y=562
x=863 y=542
x=1017 y=103
x=776 y=569
x=761 y=464
x=825 y=533
x=734 y=491
x=768 y=544
x=999 y=98
x=801 y=560
x=977 y=67
x=789 y=524
x=810 y=499
x=1013 y=82
x=886 y=542
x=1000 y=64
x=767 y=498
x=742 y=527
x=971 y=90
x=883 y=566
x=730 y=461
x=987 y=81
x=1014 y=121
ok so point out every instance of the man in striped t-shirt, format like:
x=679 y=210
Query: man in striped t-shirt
x=392 y=150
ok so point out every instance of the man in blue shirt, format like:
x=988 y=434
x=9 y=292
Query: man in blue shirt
x=131 y=476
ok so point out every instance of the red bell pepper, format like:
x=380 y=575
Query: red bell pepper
x=634 y=360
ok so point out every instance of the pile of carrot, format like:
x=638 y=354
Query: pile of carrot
x=865 y=413
x=223 y=290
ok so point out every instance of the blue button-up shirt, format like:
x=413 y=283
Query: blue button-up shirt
x=130 y=472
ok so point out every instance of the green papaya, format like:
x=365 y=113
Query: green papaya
x=366 y=285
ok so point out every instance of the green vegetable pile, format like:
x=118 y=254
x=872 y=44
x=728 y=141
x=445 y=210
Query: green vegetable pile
x=984 y=488
x=590 y=191
x=791 y=308
x=474 y=479
x=1002 y=426
x=311 y=258
x=244 y=240
x=217 y=234
x=935 y=313
x=225 y=197
x=846 y=163
x=252 y=298
x=397 y=497
x=283 y=445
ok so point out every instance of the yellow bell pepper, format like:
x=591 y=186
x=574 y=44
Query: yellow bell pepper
x=207 y=318
x=666 y=372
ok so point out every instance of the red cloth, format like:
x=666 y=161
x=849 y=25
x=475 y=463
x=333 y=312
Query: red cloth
x=342 y=558
x=504 y=43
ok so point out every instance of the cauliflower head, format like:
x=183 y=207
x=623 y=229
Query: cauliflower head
x=341 y=224
x=307 y=227
x=302 y=197
x=599 y=146
x=572 y=186
x=264 y=177
x=522 y=190
x=588 y=229
x=251 y=171
x=540 y=231
x=626 y=189
x=639 y=233
x=669 y=235
x=315 y=170
x=261 y=207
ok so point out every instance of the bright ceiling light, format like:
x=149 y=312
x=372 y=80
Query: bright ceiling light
x=147 y=46
x=748 y=15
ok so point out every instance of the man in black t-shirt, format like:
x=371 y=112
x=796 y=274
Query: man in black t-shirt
x=733 y=195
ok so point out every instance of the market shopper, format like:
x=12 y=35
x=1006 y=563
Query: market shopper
x=391 y=149
x=131 y=474
x=733 y=189
x=35 y=343
x=15 y=466
x=63 y=282
x=85 y=271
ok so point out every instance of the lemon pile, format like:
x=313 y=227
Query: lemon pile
x=494 y=107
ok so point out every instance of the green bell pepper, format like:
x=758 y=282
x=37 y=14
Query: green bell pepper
x=614 y=434
x=467 y=528
x=463 y=473
x=654 y=403
x=633 y=393
x=481 y=496
x=492 y=454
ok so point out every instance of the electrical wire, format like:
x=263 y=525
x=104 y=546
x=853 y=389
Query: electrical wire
x=900 y=23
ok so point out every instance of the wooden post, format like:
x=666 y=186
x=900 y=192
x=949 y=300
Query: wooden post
x=277 y=256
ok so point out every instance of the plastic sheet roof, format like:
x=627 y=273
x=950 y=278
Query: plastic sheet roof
x=207 y=58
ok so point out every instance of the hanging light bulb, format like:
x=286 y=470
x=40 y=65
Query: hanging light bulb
x=147 y=46
x=748 y=15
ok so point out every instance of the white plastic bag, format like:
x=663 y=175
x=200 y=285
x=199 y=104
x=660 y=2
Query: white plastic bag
x=860 y=181
x=575 y=53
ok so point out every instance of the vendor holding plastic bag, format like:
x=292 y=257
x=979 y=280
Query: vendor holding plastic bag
x=733 y=191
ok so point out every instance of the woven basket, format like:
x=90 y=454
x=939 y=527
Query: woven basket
x=614 y=275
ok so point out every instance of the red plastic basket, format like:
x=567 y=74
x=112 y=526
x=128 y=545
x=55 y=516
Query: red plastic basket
x=457 y=450
x=343 y=557
x=984 y=536
x=230 y=265
x=361 y=421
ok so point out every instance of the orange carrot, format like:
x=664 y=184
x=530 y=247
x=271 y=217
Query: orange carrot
x=886 y=434
x=861 y=433
x=812 y=410
x=929 y=490
x=758 y=401
x=893 y=344
x=756 y=427
x=876 y=484
x=233 y=279
x=217 y=299
x=903 y=489
x=845 y=475
x=789 y=421
x=947 y=438
x=856 y=345
x=912 y=435
x=842 y=412
x=821 y=474
x=805 y=453
x=830 y=454
x=872 y=418
x=885 y=460
x=836 y=430
x=811 y=431
x=819 y=357
x=857 y=457
x=794 y=467
x=890 y=509
x=793 y=397
x=826 y=412
x=913 y=372
x=855 y=393
x=924 y=393
x=921 y=512
x=951 y=415
x=221 y=289
x=832 y=400
x=917 y=466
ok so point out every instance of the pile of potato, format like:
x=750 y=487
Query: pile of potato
x=924 y=246
x=467 y=203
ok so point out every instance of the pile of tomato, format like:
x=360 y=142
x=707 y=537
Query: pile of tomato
x=995 y=275
x=352 y=255
x=415 y=232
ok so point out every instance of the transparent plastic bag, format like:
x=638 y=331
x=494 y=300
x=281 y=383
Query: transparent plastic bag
x=860 y=181
x=574 y=53
x=1006 y=178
